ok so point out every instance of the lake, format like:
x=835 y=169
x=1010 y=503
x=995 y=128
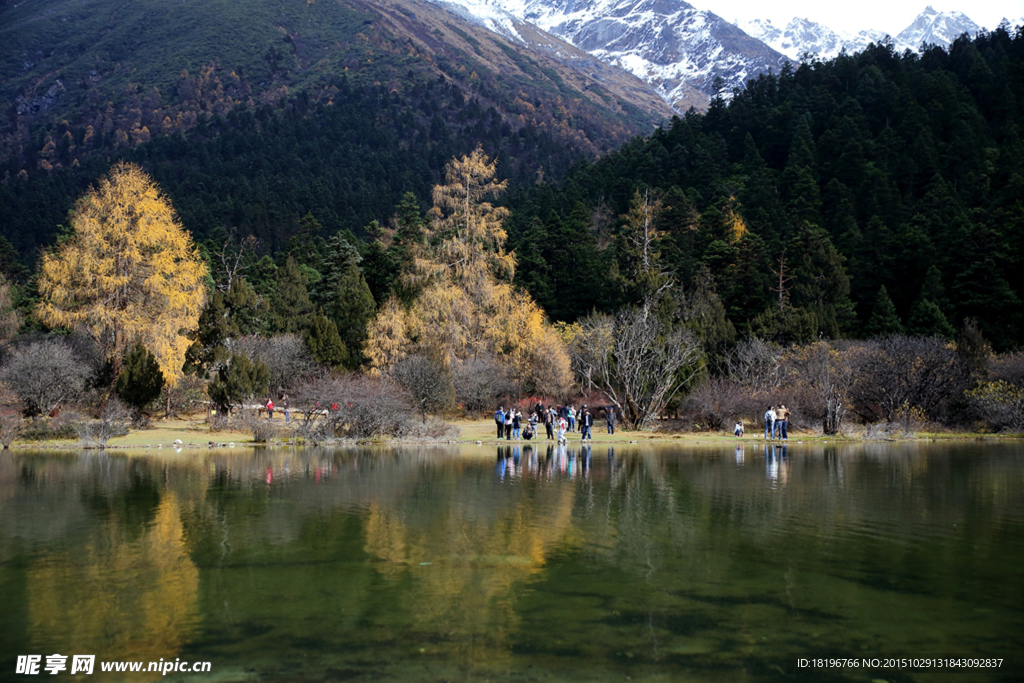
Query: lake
x=500 y=563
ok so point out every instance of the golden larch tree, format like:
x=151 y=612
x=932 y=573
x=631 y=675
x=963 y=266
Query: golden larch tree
x=127 y=273
x=466 y=303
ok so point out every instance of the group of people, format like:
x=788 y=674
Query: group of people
x=556 y=420
x=776 y=422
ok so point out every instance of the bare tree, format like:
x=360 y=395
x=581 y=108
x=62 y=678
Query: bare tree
x=480 y=381
x=897 y=371
x=428 y=382
x=826 y=376
x=285 y=355
x=328 y=407
x=755 y=364
x=113 y=421
x=648 y=362
x=45 y=374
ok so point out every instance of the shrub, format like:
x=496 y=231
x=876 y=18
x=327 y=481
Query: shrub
x=45 y=374
x=113 y=421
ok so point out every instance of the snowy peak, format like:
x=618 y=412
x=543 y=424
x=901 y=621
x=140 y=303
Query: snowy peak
x=803 y=36
x=935 y=28
x=677 y=49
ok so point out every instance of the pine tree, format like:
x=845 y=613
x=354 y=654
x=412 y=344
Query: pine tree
x=351 y=309
x=238 y=381
x=884 y=320
x=292 y=309
x=325 y=344
x=141 y=380
x=927 y=320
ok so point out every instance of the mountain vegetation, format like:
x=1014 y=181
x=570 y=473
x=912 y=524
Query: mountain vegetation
x=871 y=194
x=285 y=248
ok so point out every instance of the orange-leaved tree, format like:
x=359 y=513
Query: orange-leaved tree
x=127 y=272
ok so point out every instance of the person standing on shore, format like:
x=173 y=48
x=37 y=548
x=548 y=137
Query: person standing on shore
x=769 y=422
x=549 y=422
x=517 y=424
x=586 y=422
x=508 y=424
x=782 y=422
x=499 y=419
x=610 y=417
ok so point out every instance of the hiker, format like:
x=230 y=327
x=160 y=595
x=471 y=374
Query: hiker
x=769 y=422
x=499 y=419
x=782 y=422
x=586 y=422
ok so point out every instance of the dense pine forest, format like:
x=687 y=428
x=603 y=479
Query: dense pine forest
x=875 y=193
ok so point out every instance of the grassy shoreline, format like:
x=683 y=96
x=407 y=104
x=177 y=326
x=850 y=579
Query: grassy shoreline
x=195 y=433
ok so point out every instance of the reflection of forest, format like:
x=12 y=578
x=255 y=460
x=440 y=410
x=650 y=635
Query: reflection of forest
x=450 y=552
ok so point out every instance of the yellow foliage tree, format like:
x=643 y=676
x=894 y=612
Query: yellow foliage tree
x=466 y=303
x=127 y=273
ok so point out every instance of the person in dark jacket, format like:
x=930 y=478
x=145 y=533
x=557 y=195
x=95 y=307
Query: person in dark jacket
x=586 y=422
x=610 y=417
x=499 y=419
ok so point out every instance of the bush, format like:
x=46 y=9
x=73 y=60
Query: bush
x=45 y=374
x=718 y=403
x=113 y=421
x=1000 y=404
x=357 y=407
x=263 y=429
x=11 y=426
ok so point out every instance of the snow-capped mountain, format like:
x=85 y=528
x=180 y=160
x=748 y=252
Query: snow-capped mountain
x=679 y=50
x=935 y=28
x=802 y=36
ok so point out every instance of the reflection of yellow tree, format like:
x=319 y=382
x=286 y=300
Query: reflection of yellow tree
x=118 y=599
x=465 y=596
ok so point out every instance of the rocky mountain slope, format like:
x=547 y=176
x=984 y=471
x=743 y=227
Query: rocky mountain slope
x=681 y=51
x=83 y=74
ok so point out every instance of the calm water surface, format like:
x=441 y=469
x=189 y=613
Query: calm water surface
x=505 y=564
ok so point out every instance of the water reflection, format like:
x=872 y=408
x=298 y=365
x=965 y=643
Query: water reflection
x=475 y=563
x=777 y=465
